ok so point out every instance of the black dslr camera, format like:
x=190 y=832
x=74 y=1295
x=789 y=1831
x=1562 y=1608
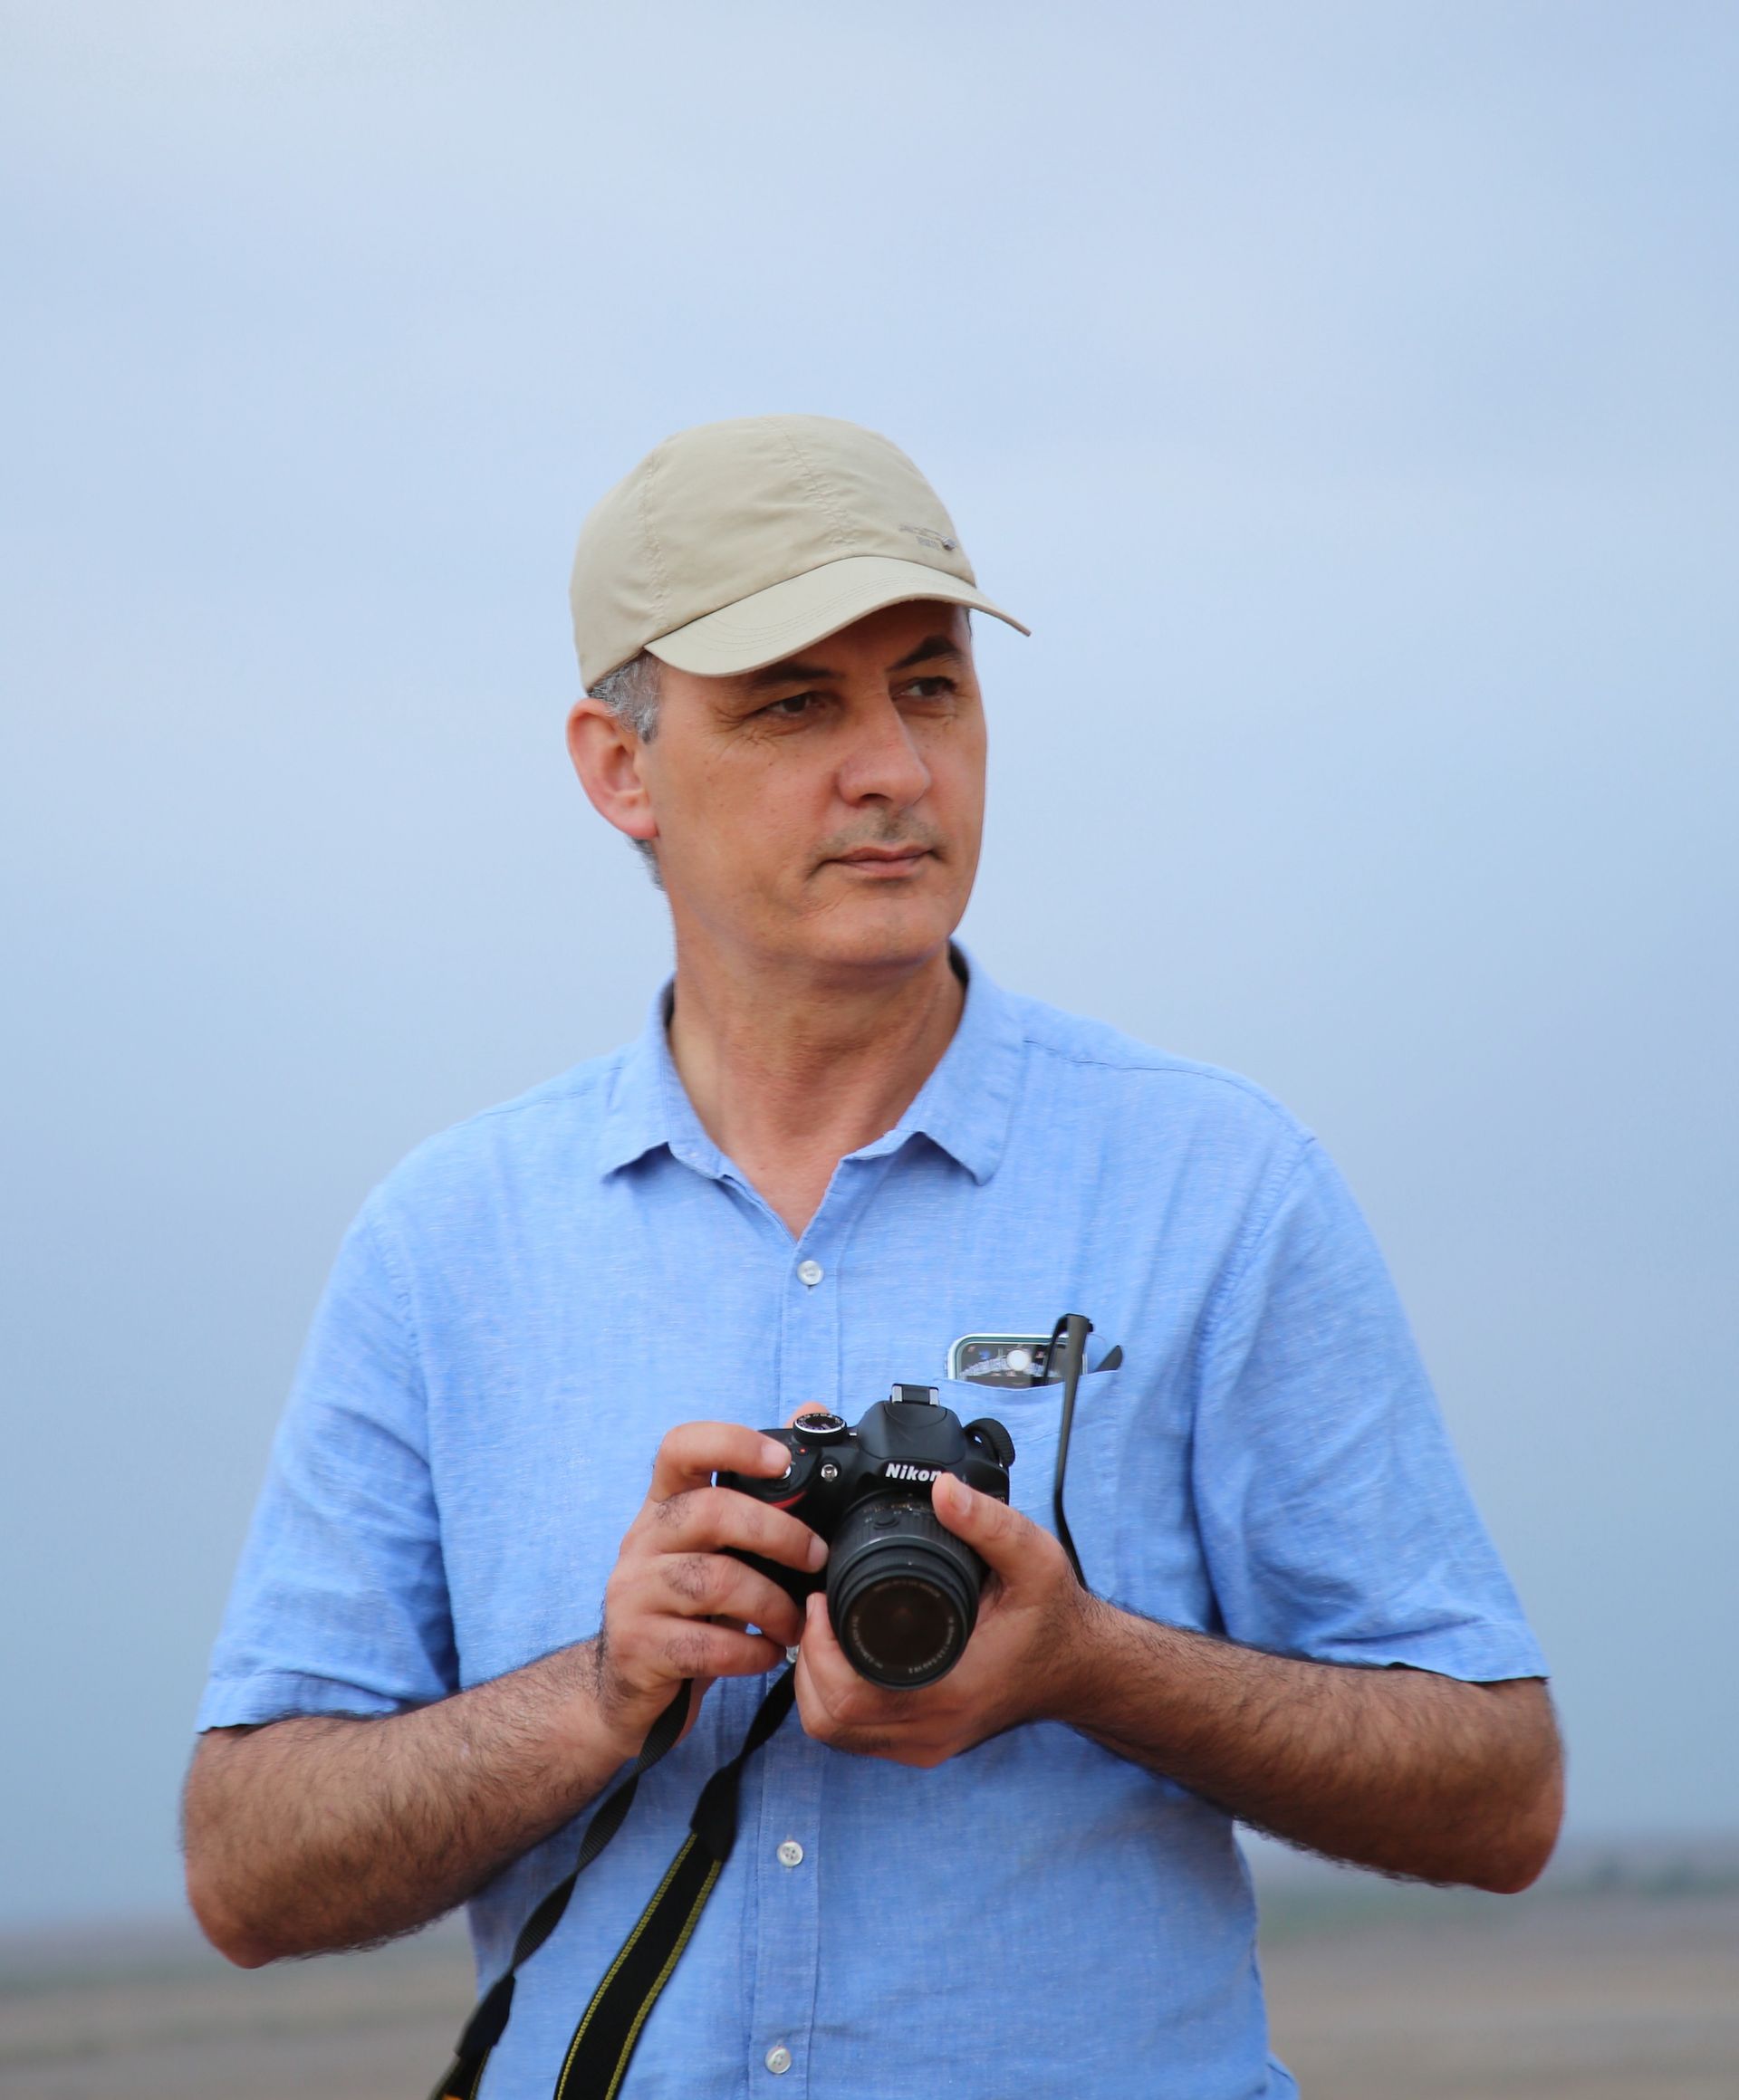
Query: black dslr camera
x=902 y=1591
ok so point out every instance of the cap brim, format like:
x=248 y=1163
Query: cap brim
x=790 y=615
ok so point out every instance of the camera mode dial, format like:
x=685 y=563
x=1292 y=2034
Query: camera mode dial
x=820 y=1426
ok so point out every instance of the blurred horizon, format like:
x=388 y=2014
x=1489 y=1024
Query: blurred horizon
x=1299 y=1890
x=1345 y=397
x=1603 y=1991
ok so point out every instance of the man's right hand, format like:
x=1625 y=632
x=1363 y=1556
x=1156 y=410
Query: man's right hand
x=677 y=1605
x=329 y=1830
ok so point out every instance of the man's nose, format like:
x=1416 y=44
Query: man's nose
x=883 y=763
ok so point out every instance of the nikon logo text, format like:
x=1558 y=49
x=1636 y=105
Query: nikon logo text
x=900 y=1471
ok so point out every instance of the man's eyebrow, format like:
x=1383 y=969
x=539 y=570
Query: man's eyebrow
x=933 y=648
x=790 y=673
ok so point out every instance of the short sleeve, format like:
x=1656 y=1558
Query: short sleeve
x=340 y=1604
x=1335 y=1515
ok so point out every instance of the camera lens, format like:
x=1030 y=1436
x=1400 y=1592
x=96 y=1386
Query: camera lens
x=902 y=1592
x=902 y=1631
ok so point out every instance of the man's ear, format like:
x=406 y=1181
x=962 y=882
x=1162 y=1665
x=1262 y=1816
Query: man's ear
x=607 y=755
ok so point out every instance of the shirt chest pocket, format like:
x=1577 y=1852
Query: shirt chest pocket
x=1033 y=1416
x=1126 y=1487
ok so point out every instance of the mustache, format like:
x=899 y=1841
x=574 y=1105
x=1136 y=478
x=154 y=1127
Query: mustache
x=895 y=832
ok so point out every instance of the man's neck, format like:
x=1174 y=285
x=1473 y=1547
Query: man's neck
x=788 y=1071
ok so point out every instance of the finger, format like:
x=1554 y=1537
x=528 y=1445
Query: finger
x=694 y=1452
x=713 y=1586
x=850 y=1698
x=823 y=1671
x=709 y=1519
x=822 y=1649
x=1002 y=1537
x=696 y=1648
x=830 y=1702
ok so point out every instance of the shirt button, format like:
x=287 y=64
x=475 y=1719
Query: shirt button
x=791 y=1853
x=810 y=1273
x=778 y=2059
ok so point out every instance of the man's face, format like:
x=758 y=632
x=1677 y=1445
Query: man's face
x=828 y=809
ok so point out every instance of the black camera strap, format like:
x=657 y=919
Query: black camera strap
x=603 y=2042
x=597 y=2057
x=1064 y=1359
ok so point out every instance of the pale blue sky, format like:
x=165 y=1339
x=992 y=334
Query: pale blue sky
x=1343 y=392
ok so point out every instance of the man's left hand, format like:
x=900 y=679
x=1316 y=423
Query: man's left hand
x=1029 y=1645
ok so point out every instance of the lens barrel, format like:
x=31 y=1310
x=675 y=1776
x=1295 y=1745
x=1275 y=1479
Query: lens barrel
x=902 y=1591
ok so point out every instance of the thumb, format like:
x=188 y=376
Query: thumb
x=990 y=1527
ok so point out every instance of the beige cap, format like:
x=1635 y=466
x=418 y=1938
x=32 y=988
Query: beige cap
x=737 y=544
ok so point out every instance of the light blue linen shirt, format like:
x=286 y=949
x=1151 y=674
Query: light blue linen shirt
x=533 y=1299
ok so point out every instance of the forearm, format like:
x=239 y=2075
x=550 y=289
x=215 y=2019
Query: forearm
x=318 y=1833
x=321 y=1832
x=1399 y=1769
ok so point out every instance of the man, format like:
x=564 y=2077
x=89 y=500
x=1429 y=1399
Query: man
x=837 y=1148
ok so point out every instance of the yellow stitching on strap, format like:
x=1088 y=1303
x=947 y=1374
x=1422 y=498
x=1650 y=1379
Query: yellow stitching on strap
x=623 y=1953
x=651 y=1998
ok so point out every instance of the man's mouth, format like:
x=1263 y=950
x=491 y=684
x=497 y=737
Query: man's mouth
x=884 y=860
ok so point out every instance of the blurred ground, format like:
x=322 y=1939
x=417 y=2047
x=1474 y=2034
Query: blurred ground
x=152 y=2014
x=1617 y=1980
x=1577 y=1993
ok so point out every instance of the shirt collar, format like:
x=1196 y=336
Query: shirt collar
x=638 y=1118
x=964 y=1107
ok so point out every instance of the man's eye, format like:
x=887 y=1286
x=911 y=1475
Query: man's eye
x=793 y=707
x=934 y=688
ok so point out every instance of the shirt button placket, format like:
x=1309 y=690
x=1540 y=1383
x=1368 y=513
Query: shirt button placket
x=787 y=1898
x=808 y=1351
x=787 y=1909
